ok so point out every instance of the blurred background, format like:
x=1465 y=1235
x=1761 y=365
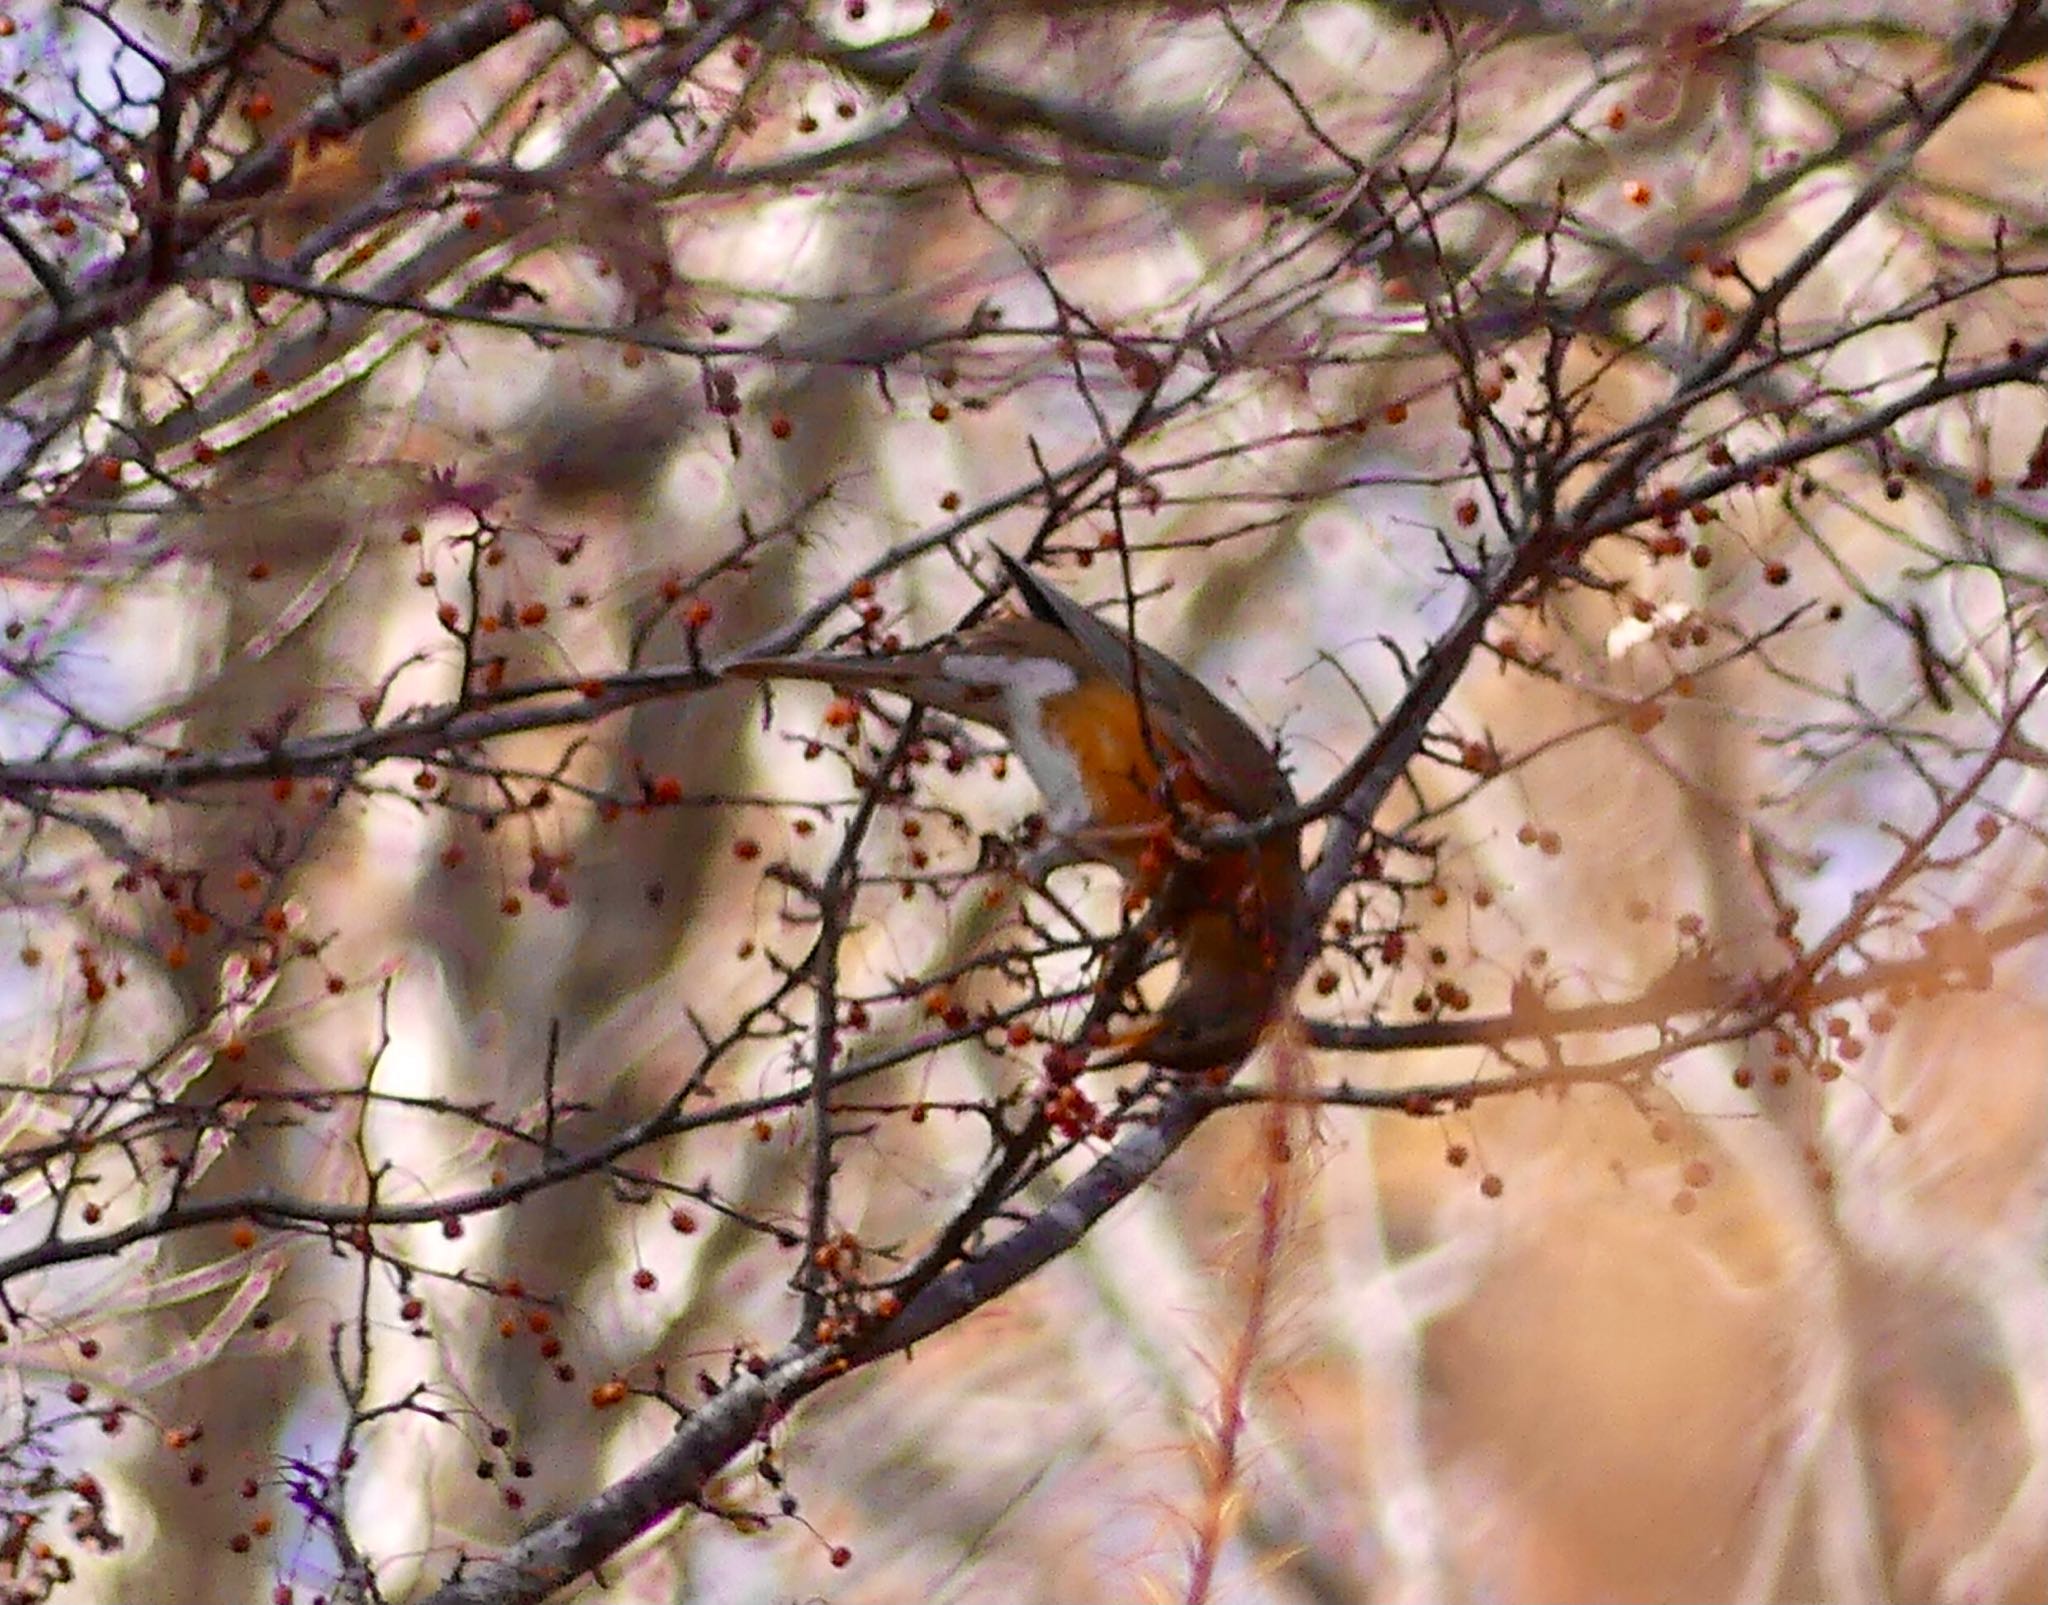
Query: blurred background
x=404 y=408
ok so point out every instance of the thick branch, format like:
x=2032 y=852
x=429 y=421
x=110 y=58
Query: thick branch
x=556 y=1555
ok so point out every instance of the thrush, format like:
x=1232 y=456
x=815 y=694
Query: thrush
x=1135 y=758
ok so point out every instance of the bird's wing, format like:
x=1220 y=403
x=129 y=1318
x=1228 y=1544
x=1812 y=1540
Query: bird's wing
x=1226 y=752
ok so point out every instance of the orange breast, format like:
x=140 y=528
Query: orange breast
x=1250 y=892
x=1097 y=722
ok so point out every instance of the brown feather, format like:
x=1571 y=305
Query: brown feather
x=919 y=676
x=1231 y=911
x=1228 y=756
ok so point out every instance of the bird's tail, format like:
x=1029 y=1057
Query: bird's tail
x=920 y=676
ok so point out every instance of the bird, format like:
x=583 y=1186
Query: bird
x=1135 y=757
